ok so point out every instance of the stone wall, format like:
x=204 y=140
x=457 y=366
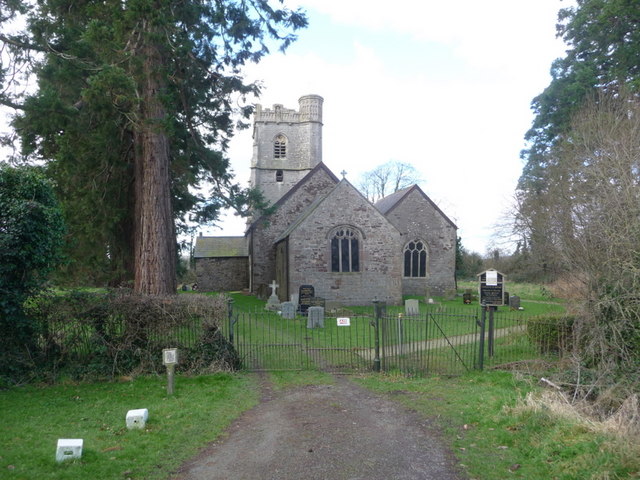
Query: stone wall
x=222 y=274
x=417 y=218
x=310 y=251
x=265 y=231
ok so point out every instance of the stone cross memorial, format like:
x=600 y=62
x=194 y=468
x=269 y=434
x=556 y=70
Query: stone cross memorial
x=274 y=302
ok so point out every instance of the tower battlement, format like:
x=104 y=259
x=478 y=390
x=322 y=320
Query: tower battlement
x=310 y=111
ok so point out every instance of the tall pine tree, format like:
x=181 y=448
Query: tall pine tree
x=134 y=109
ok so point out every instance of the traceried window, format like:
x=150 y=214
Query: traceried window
x=415 y=259
x=280 y=147
x=345 y=250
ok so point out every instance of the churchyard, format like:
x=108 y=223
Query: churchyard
x=423 y=336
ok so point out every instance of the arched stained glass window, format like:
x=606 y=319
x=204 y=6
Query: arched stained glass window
x=345 y=250
x=415 y=259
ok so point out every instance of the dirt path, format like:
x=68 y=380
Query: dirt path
x=332 y=432
x=436 y=343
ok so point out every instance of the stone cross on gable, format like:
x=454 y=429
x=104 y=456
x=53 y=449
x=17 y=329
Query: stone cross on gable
x=273 y=285
x=343 y=173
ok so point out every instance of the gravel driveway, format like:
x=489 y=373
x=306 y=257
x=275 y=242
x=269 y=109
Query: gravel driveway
x=332 y=432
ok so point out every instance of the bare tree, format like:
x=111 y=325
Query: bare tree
x=594 y=194
x=387 y=179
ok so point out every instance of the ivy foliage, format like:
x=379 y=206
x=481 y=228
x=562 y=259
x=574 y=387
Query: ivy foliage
x=31 y=232
x=31 y=236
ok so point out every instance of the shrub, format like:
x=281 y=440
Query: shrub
x=114 y=333
x=551 y=333
x=31 y=235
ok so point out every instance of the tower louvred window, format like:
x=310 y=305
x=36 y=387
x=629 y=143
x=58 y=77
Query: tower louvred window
x=280 y=147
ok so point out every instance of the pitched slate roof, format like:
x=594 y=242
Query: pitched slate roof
x=388 y=203
x=207 y=247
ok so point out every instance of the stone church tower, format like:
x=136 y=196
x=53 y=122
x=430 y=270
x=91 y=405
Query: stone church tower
x=287 y=145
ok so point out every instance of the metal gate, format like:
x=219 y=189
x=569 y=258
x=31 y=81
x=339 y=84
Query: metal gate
x=347 y=342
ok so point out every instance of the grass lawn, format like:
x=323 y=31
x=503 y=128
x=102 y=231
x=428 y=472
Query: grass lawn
x=478 y=414
x=34 y=418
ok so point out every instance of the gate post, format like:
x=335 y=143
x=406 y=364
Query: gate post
x=230 y=313
x=490 y=343
x=483 y=317
x=377 y=311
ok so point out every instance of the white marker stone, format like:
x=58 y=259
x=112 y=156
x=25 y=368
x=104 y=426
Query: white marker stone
x=137 y=418
x=69 y=448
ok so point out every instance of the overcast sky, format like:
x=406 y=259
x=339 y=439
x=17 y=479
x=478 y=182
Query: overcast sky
x=445 y=86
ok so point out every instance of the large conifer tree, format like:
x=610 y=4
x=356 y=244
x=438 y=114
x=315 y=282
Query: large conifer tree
x=134 y=109
x=603 y=56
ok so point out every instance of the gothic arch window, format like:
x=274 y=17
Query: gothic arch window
x=415 y=259
x=345 y=250
x=280 y=147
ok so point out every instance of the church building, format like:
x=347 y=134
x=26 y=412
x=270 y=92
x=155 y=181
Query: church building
x=322 y=231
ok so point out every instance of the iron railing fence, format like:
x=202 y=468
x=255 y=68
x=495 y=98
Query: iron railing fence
x=437 y=340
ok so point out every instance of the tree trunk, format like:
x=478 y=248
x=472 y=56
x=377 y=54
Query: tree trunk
x=155 y=249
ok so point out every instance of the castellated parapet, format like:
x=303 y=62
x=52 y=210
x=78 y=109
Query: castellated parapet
x=287 y=144
x=310 y=111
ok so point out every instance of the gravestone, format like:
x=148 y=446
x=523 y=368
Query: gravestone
x=315 y=318
x=411 y=307
x=467 y=297
x=514 y=302
x=305 y=294
x=317 y=302
x=274 y=302
x=380 y=309
x=294 y=299
x=288 y=310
